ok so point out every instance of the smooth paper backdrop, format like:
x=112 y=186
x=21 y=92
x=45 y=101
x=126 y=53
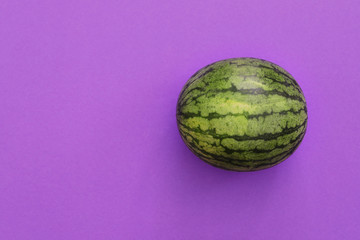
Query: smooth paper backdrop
x=89 y=147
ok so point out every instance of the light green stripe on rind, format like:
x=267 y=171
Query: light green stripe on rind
x=250 y=166
x=240 y=125
x=245 y=165
x=260 y=144
x=223 y=74
x=212 y=82
x=247 y=149
x=234 y=103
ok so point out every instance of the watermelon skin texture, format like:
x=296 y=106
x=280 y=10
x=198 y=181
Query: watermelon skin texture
x=242 y=114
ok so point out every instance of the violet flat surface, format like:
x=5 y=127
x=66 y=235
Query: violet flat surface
x=89 y=147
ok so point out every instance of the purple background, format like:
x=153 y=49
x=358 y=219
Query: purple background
x=89 y=146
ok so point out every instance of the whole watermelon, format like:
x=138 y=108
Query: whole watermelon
x=242 y=114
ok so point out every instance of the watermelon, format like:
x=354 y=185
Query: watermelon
x=242 y=114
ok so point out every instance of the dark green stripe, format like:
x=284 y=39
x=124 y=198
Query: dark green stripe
x=193 y=78
x=206 y=71
x=181 y=98
x=254 y=91
x=266 y=136
x=274 y=68
x=284 y=157
x=230 y=151
x=244 y=114
x=244 y=163
x=297 y=88
x=260 y=91
x=259 y=164
x=229 y=168
x=201 y=153
x=284 y=83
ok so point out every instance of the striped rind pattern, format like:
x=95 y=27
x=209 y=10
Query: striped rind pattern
x=242 y=114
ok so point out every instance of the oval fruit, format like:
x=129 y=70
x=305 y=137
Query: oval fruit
x=242 y=114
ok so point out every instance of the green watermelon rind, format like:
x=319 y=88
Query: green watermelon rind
x=221 y=116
